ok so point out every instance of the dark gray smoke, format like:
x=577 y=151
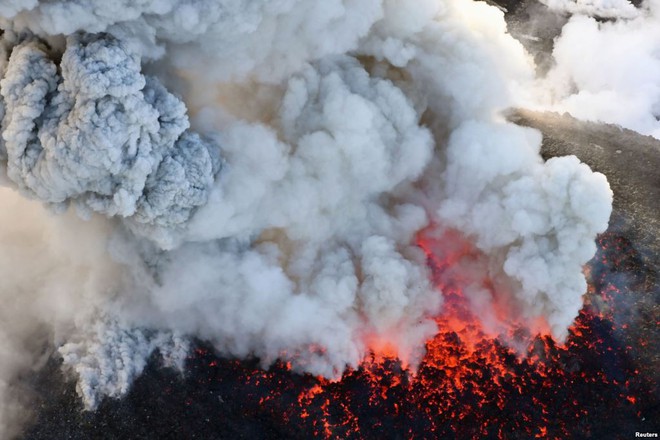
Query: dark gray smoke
x=95 y=132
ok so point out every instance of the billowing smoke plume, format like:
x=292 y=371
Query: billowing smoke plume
x=328 y=139
x=608 y=71
x=99 y=134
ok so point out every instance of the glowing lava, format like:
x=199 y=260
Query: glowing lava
x=469 y=385
x=599 y=384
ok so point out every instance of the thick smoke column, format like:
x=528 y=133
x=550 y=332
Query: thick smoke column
x=329 y=138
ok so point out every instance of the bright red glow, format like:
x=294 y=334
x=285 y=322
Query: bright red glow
x=472 y=384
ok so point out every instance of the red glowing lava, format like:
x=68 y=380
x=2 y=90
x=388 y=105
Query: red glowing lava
x=469 y=385
x=601 y=383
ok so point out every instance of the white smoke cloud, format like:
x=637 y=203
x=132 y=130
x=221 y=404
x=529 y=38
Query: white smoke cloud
x=332 y=135
x=608 y=71
x=107 y=357
x=268 y=38
x=339 y=262
x=531 y=218
x=537 y=222
x=596 y=8
x=55 y=273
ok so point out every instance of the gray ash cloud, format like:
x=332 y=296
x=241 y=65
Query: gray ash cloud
x=93 y=131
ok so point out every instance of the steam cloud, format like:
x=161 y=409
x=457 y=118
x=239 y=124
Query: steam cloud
x=608 y=71
x=326 y=137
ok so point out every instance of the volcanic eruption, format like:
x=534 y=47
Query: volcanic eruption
x=329 y=190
